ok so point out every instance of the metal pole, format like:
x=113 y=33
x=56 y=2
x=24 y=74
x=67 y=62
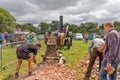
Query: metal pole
x=1 y=56
x=61 y=23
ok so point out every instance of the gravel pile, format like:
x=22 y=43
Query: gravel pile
x=51 y=72
x=83 y=64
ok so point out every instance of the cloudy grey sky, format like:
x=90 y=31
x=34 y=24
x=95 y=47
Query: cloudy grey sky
x=74 y=11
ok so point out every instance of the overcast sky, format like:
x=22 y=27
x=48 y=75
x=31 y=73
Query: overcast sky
x=74 y=11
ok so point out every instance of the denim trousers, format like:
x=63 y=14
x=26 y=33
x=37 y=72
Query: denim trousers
x=103 y=73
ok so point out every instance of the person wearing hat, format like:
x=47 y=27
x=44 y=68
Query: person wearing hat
x=31 y=38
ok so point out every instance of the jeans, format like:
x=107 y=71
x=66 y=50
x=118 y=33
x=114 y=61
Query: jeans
x=103 y=73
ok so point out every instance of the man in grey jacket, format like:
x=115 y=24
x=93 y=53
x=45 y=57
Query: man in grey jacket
x=111 y=52
x=97 y=42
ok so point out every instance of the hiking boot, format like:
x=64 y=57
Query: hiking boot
x=16 y=75
x=30 y=74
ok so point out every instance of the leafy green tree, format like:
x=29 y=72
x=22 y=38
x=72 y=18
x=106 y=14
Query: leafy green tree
x=91 y=27
x=88 y=27
x=74 y=28
x=44 y=27
x=82 y=28
x=101 y=26
x=117 y=25
x=101 y=30
x=29 y=27
x=54 y=25
x=19 y=26
x=67 y=24
x=7 y=21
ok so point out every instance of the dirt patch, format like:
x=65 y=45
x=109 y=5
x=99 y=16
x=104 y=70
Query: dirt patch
x=51 y=72
x=83 y=64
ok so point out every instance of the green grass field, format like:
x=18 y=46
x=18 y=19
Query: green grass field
x=73 y=56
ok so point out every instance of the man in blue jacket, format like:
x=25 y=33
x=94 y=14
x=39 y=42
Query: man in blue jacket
x=1 y=38
x=111 y=52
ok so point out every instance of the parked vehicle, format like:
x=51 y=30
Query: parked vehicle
x=41 y=36
x=78 y=36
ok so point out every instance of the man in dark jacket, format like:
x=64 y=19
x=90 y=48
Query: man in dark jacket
x=6 y=36
x=23 y=53
x=1 y=41
x=111 y=52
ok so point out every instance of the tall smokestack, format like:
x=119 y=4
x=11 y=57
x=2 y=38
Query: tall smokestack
x=61 y=23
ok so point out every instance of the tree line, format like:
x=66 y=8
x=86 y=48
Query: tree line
x=8 y=24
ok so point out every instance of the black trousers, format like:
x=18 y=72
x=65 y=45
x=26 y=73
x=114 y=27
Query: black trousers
x=11 y=43
x=95 y=53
